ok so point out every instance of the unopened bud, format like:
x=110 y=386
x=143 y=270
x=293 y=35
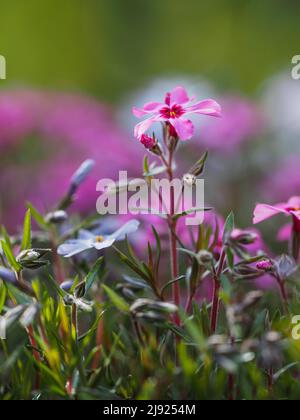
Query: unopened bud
x=31 y=258
x=80 y=290
x=148 y=142
x=205 y=257
x=67 y=285
x=265 y=265
x=56 y=217
x=189 y=180
x=81 y=174
x=151 y=144
x=273 y=337
x=243 y=237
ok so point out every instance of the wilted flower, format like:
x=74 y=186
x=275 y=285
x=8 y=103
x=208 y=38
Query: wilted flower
x=285 y=267
x=177 y=105
x=88 y=240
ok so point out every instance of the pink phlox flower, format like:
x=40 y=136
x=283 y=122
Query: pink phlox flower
x=174 y=110
x=291 y=208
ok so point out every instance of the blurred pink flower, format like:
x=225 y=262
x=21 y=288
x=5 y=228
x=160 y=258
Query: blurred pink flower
x=18 y=117
x=241 y=121
x=285 y=233
x=67 y=129
x=291 y=208
x=282 y=181
x=177 y=105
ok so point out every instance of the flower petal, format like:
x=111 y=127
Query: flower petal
x=179 y=96
x=207 y=107
x=138 y=112
x=125 y=230
x=153 y=106
x=142 y=127
x=73 y=247
x=294 y=202
x=148 y=108
x=183 y=127
x=264 y=211
x=105 y=244
x=86 y=235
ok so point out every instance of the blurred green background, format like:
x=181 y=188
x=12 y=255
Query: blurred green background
x=107 y=47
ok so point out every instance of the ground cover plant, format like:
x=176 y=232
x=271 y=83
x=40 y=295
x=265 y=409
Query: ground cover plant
x=146 y=307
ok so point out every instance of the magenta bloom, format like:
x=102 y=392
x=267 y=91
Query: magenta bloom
x=173 y=111
x=148 y=142
x=291 y=208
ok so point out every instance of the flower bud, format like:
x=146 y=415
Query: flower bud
x=67 y=285
x=189 y=180
x=80 y=290
x=265 y=265
x=148 y=142
x=172 y=131
x=82 y=172
x=28 y=255
x=205 y=257
x=56 y=217
x=30 y=258
x=243 y=237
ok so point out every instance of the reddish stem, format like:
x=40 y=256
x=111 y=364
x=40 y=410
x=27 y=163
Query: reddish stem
x=284 y=296
x=173 y=242
x=174 y=264
x=58 y=269
x=36 y=354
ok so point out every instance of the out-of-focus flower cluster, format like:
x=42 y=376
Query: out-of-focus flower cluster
x=44 y=137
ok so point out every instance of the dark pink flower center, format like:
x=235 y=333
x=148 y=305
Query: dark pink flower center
x=174 y=111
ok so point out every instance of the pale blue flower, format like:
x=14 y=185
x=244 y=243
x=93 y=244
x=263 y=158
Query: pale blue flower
x=88 y=240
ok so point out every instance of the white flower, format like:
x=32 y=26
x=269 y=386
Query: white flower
x=88 y=240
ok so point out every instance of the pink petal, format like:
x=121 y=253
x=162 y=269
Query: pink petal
x=183 y=127
x=207 y=107
x=264 y=211
x=153 y=106
x=294 y=202
x=139 y=113
x=285 y=233
x=149 y=108
x=142 y=127
x=179 y=96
